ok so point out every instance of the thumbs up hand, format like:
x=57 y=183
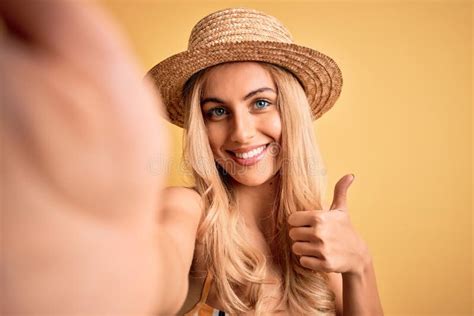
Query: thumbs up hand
x=325 y=239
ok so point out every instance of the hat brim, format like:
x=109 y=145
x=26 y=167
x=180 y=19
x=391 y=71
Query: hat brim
x=319 y=75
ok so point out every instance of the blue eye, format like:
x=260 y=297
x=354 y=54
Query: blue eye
x=261 y=104
x=216 y=112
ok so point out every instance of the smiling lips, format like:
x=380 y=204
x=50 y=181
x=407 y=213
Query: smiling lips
x=249 y=157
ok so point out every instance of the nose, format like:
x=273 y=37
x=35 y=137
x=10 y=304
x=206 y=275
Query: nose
x=243 y=127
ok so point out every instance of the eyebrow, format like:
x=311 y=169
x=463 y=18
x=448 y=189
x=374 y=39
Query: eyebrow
x=247 y=96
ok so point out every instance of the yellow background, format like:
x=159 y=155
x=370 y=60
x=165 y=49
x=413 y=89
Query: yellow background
x=403 y=125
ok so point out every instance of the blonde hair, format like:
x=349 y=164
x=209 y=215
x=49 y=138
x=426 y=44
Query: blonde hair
x=237 y=267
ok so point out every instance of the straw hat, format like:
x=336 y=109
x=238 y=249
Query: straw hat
x=246 y=35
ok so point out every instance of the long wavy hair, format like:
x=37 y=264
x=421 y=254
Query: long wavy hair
x=238 y=267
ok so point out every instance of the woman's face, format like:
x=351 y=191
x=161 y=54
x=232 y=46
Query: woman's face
x=239 y=107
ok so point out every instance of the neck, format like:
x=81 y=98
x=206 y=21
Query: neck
x=256 y=202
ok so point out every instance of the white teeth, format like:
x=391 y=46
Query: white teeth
x=250 y=154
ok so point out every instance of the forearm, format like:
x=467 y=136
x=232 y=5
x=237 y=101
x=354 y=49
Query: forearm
x=360 y=294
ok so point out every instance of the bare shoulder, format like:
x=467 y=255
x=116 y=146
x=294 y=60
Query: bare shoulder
x=180 y=203
x=179 y=216
x=183 y=206
x=335 y=284
x=181 y=192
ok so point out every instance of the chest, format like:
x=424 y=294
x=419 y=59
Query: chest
x=272 y=291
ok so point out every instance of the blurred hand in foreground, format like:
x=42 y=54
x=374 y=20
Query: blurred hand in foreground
x=79 y=129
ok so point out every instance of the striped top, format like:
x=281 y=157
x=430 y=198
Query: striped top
x=201 y=308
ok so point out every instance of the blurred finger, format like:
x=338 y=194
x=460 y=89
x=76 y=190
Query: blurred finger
x=304 y=234
x=314 y=264
x=306 y=249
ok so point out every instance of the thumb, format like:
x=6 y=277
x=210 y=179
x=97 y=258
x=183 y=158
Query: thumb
x=340 y=192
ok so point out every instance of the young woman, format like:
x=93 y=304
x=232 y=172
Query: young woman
x=254 y=227
x=253 y=233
